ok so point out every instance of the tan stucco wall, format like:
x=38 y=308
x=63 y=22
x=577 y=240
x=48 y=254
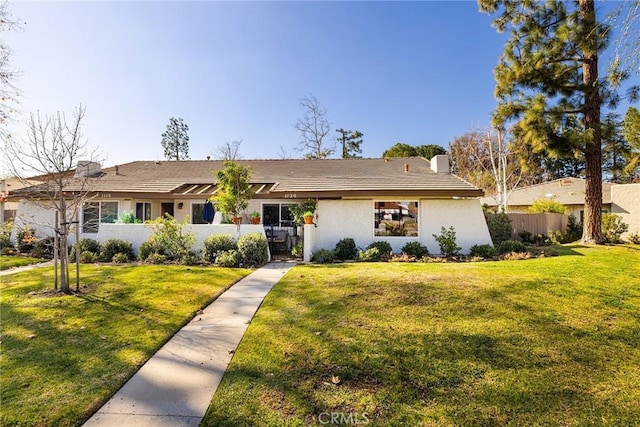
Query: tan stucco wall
x=625 y=201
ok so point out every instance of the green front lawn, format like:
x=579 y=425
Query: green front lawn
x=549 y=341
x=11 y=261
x=63 y=356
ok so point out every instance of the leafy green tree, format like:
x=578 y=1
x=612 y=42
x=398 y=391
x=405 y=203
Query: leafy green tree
x=631 y=132
x=400 y=149
x=175 y=140
x=428 y=151
x=351 y=141
x=234 y=188
x=544 y=205
x=547 y=81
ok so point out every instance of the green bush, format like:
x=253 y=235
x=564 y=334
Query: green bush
x=87 y=257
x=613 y=227
x=483 y=251
x=25 y=239
x=323 y=256
x=156 y=258
x=168 y=234
x=44 y=248
x=447 y=242
x=86 y=245
x=298 y=250
x=217 y=243
x=415 y=249
x=115 y=246
x=574 y=229
x=382 y=246
x=228 y=258
x=509 y=246
x=128 y=217
x=5 y=234
x=190 y=258
x=148 y=248
x=371 y=254
x=500 y=227
x=634 y=238
x=346 y=249
x=544 y=205
x=120 y=258
x=253 y=249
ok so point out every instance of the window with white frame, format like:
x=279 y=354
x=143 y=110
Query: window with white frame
x=96 y=213
x=395 y=218
x=143 y=211
x=277 y=214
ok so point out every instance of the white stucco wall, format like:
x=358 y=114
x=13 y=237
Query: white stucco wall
x=625 y=201
x=337 y=219
x=40 y=217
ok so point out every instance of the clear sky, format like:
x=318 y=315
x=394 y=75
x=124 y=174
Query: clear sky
x=413 y=72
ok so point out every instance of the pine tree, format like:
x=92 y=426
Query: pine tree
x=547 y=81
x=175 y=140
x=350 y=141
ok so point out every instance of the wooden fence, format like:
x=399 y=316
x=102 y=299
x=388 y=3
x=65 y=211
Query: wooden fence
x=539 y=223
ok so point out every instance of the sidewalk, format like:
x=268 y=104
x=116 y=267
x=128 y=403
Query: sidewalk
x=174 y=388
x=25 y=268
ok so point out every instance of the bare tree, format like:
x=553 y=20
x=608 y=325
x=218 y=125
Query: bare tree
x=313 y=127
x=230 y=150
x=283 y=153
x=8 y=92
x=49 y=163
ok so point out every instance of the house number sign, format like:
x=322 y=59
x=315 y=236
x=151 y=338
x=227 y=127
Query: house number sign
x=290 y=196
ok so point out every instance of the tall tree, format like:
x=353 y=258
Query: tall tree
x=350 y=141
x=401 y=149
x=175 y=140
x=616 y=151
x=8 y=92
x=230 y=150
x=45 y=163
x=312 y=128
x=631 y=132
x=428 y=151
x=547 y=80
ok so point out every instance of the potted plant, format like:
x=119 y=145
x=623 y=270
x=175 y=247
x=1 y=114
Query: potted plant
x=308 y=217
x=298 y=211
x=234 y=190
x=255 y=217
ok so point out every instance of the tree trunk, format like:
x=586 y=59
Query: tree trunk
x=64 y=253
x=592 y=230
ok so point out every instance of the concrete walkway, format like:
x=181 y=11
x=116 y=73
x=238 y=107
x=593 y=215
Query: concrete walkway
x=25 y=268
x=174 y=388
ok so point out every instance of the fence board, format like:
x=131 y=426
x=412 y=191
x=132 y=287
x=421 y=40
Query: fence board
x=538 y=223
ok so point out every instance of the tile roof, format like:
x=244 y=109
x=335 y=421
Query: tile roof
x=566 y=191
x=275 y=177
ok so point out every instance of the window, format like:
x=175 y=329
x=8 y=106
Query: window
x=95 y=213
x=398 y=218
x=197 y=213
x=143 y=211
x=277 y=214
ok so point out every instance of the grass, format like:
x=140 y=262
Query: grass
x=63 y=356
x=11 y=261
x=549 y=341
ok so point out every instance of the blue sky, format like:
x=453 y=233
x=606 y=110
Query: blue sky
x=413 y=72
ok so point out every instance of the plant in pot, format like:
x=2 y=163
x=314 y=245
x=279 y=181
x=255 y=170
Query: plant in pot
x=308 y=217
x=298 y=211
x=234 y=190
x=255 y=217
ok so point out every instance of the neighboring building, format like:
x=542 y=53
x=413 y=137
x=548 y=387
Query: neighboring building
x=8 y=208
x=566 y=191
x=397 y=199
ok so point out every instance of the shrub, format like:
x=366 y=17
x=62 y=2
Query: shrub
x=415 y=249
x=371 y=254
x=298 y=250
x=323 y=256
x=544 y=205
x=5 y=234
x=148 y=248
x=44 y=248
x=86 y=245
x=346 y=249
x=25 y=239
x=483 y=251
x=191 y=258
x=634 y=238
x=156 y=258
x=253 y=249
x=509 y=246
x=87 y=257
x=613 y=227
x=128 y=217
x=114 y=246
x=8 y=250
x=447 y=242
x=229 y=258
x=168 y=235
x=217 y=243
x=574 y=229
x=120 y=258
x=500 y=227
x=383 y=247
